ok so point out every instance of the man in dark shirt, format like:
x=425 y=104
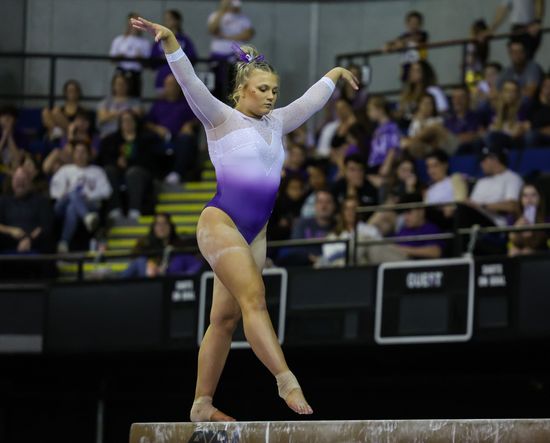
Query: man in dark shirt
x=464 y=123
x=539 y=117
x=354 y=183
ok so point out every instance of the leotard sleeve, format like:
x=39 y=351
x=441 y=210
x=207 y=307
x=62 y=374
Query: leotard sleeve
x=313 y=100
x=208 y=109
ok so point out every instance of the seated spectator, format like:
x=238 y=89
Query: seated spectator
x=355 y=183
x=477 y=53
x=287 y=207
x=463 y=123
x=426 y=131
x=317 y=226
x=402 y=179
x=131 y=44
x=525 y=72
x=346 y=119
x=386 y=137
x=496 y=195
x=295 y=161
x=57 y=120
x=416 y=223
x=12 y=141
x=317 y=180
x=31 y=166
x=173 y=20
x=539 y=117
x=444 y=188
x=110 y=108
x=172 y=120
x=79 y=190
x=421 y=79
x=160 y=242
x=128 y=158
x=485 y=94
x=509 y=123
x=532 y=211
x=356 y=97
x=26 y=218
x=412 y=39
x=80 y=129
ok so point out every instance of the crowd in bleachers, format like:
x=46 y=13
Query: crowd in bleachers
x=89 y=168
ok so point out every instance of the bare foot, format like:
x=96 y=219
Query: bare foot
x=220 y=416
x=296 y=401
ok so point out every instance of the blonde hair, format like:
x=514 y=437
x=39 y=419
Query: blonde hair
x=243 y=70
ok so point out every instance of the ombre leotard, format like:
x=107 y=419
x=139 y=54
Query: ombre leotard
x=247 y=153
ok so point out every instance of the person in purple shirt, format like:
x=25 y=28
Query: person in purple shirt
x=415 y=223
x=171 y=118
x=386 y=137
x=173 y=20
x=463 y=122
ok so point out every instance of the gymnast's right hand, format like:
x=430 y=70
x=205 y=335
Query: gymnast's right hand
x=158 y=31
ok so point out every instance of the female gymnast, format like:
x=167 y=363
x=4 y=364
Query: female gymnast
x=245 y=146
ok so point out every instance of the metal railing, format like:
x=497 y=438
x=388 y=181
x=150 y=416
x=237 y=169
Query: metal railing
x=54 y=58
x=364 y=57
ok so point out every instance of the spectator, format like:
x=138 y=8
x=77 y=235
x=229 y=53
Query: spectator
x=354 y=183
x=477 y=53
x=128 y=157
x=57 y=120
x=78 y=189
x=317 y=180
x=412 y=39
x=463 y=123
x=539 y=117
x=172 y=120
x=510 y=122
x=495 y=195
x=295 y=161
x=25 y=217
x=527 y=73
x=356 y=97
x=444 y=188
x=317 y=226
x=420 y=79
x=386 y=137
x=485 y=95
x=80 y=129
x=525 y=20
x=228 y=26
x=160 y=242
x=415 y=223
x=334 y=134
x=402 y=179
x=132 y=45
x=426 y=131
x=110 y=108
x=532 y=211
x=12 y=141
x=173 y=20
x=287 y=207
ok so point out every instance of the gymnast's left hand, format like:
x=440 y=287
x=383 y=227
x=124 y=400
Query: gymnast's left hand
x=158 y=31
x=350 y=78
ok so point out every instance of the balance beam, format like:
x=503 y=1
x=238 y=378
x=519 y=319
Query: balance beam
x=387 y=431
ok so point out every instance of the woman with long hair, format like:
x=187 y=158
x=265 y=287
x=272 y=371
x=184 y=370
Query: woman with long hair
x=245 y=146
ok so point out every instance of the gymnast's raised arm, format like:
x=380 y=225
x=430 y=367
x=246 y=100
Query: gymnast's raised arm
x=313 y=100
x=209 y=110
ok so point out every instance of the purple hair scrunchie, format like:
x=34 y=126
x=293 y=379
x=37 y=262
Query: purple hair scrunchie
x=244 y=57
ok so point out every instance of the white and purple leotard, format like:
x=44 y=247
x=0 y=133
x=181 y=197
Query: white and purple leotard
x=247 y=153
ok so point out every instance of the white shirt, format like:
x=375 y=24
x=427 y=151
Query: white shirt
x=441 y=192
x=230 y=24
x=130 y=46
x=522 y=11
x=91 y=178
x=497 y=188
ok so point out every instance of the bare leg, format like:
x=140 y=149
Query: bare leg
x=234 y=264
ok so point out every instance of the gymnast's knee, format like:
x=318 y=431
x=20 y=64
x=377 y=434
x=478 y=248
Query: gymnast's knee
x=226 y=323
x=253 y=300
